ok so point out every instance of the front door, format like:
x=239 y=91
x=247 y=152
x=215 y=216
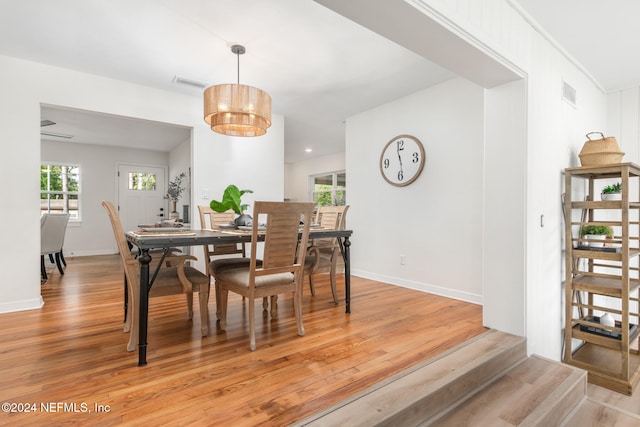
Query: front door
x=141 y=191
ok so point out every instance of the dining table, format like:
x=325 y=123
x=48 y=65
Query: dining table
x=147 y=239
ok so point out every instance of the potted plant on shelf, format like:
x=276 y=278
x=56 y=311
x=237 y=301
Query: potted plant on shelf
x=596 y=232
x=174 y=192
x=612 y=192
x=231 y=199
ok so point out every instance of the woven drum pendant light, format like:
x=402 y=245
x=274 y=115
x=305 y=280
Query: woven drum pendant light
x=235 y=109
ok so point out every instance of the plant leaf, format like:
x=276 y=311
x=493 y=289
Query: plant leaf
x=218 y=206
x=230 y=200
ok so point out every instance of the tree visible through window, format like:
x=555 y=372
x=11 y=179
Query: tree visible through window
x=60 y=189
x=330 y=189
x=142 y=181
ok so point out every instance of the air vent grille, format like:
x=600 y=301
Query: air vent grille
x=56 y=135
x=568 y=93
x=188 y=82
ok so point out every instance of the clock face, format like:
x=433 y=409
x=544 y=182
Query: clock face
x=402 y=160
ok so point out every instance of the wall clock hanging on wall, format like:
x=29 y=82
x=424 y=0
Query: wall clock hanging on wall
x=402 y=160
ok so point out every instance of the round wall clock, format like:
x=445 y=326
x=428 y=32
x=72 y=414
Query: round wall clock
x=402 y=160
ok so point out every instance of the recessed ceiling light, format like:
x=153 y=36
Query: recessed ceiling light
x=308 y=150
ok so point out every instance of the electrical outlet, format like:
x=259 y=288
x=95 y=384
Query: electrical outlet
x=204 y=194
x=402 y=259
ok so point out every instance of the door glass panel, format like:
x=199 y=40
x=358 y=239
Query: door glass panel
x=142 y=181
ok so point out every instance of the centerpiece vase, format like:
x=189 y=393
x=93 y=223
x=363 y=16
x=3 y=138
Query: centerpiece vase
x=174 y=213
x=244 y=220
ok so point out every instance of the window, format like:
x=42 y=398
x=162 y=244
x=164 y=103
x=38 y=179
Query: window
x=60 y=189
x=142 y=181
x=330 y=189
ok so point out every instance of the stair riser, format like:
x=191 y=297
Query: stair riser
x=560 y=403
x=457 y=390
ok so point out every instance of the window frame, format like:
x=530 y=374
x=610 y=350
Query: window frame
x=334 y=186
x=78 y=193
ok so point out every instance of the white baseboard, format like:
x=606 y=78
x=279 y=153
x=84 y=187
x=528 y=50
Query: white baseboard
x=71 y=254
x=33 y=304
x=424 y=287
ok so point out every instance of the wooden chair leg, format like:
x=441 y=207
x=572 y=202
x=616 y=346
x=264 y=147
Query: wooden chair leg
x=203 y=297
x=217 y=292
x=133 y=318
x=274 y=305
x=297 y=308
x=189 y=296
x=224 y=298
x=252 y=324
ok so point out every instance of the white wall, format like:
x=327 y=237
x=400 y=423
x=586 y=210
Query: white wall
x=504 y=208
x=556 y=133
x=98 y=169
x=217 y=160
x=297 y=184
x=180 y=162
x=623 y=121
x=255 y=164
x=498 y=36
x=436 y=222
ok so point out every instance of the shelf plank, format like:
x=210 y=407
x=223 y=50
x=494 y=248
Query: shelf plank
x=609 y=256
x=603 y=204
x=611 y=343
x=603 y=285
x=603 y=171
x=594 y=358
x=601 y=340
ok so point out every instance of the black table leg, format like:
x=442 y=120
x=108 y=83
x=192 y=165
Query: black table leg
x=126 y=298
x=347 y=273
x=144 y=260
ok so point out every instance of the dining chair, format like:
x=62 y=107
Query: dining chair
x=179 y=278
x=53 y=228
x=225 y=253
x=282 y=262
x=323 y=254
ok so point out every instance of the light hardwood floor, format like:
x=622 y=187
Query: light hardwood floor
x=70 y=356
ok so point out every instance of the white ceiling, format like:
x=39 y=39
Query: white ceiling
x=603 y=36
x=319 y=67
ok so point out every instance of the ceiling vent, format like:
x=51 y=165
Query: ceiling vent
x=568 y=94
x=187 y=82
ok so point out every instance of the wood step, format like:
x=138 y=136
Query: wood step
x=429 y=389
x=536 y=392
x=591 y=413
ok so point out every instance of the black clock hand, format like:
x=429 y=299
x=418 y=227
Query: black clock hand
x=399 y=157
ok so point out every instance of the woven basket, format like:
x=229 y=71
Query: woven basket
x=603 y=151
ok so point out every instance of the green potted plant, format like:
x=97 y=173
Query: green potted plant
x=612 y=192
x=596 y=232
x=231 y=199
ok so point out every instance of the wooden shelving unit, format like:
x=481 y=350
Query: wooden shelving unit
x=604 y=280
